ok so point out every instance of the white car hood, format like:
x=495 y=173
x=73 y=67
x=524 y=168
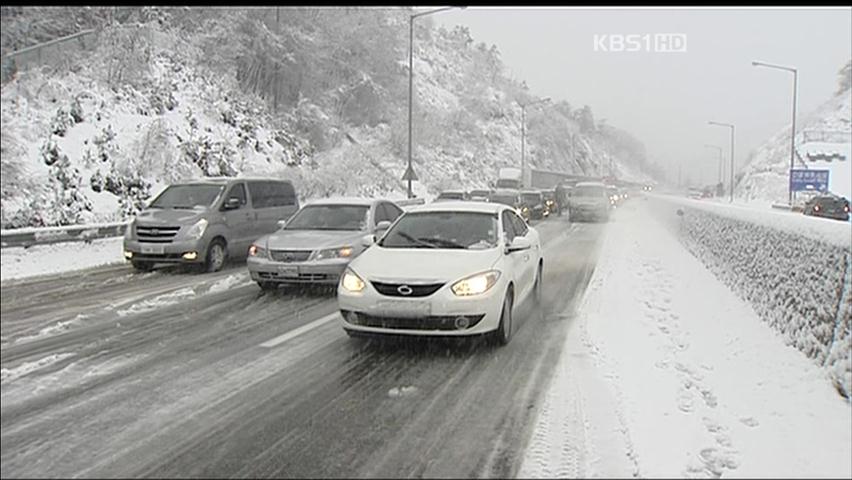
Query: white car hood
x=422 y=265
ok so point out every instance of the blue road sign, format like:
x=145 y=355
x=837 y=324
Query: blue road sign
x=801 y=180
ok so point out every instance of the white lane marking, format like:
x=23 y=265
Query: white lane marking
x=303 y=329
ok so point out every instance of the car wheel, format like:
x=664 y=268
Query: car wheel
x=217 y=253
x=503 y=333
x=267 y=286
x=143 y=266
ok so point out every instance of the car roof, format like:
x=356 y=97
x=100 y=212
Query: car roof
x=224 y=180
x=346 y=201
x=590 y=184
x=460 y=192
x=458 y=206
x=530 y=191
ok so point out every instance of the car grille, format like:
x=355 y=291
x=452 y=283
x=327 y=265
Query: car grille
x=156 y=234
x=434 y=322
x=290 y=255
x=303 y=277
x=392 y=289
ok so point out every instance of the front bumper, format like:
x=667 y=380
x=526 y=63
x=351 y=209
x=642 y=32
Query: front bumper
x=172 y=252
x=435 y=315
x=323 y=272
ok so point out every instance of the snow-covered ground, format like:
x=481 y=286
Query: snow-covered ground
x=667 y=373
x=20 y=262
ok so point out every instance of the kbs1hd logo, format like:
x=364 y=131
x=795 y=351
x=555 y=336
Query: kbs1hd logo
x=635 y=42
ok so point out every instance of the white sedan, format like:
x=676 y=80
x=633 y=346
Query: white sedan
x=448 y=268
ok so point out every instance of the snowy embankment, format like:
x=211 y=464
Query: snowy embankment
x=665 y=372
x=20 y=262
x=794 y=270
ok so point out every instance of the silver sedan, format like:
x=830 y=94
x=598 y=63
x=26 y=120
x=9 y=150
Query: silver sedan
x=317 y=242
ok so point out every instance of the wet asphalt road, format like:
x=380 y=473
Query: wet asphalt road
x=112 y=373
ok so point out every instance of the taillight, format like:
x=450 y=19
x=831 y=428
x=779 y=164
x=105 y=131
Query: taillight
x=846 y=208
x=816 y=208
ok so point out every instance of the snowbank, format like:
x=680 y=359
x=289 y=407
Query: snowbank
x=665 y=373
x=796 y=272
x=19 y=262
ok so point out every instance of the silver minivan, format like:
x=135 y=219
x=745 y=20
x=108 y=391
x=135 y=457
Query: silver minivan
x=203 y=222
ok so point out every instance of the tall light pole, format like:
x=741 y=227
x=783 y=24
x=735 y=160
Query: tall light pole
x=409 y=173
x=731 y=126
x=719 y=155
x=524 y=133
x=793 y=128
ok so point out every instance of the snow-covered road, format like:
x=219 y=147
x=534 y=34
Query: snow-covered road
x=666 y=373
x=112 y=373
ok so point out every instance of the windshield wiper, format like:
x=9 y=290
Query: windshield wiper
x=183 y=207
x=412 y=239
x=442 y=242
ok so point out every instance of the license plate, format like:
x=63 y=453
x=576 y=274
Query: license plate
x=403 y=308
x=288 y=271
x=153 y=249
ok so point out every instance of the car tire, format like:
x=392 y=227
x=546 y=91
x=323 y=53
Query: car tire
x=217 y=255
x=503 y=334
x=143 y=266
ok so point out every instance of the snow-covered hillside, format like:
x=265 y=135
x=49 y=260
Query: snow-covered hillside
x=93 y=142
x=766 y=177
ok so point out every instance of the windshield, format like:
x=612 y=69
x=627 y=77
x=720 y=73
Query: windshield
x=452 y=230
x=587 y=191
x=187 y=196
x=479 y=193
x=508 y=183
x=451 y=196
x=330 y=217
x=510 y=200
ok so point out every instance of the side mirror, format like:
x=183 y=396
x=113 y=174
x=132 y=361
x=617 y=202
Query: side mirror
x=382 y=226
x=368 y=240
x=282 y=223
x=518 y=244
x=233 y=203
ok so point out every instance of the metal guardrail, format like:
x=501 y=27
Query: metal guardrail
x=27 y=237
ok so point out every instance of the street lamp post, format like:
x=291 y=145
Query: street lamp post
x=793 y=127
x=409 y=173
x=719 y=156
x=731 y=126
x=523 y=133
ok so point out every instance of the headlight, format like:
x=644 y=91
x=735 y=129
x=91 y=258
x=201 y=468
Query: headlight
x=476 y=284
x=197 y=231
x=128 y=232
x=257 y=251
x=352 y=282
x=339 y=252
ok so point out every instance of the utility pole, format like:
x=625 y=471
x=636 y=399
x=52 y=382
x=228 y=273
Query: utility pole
x=731 y=126
x=409 y=173
x=793 y=126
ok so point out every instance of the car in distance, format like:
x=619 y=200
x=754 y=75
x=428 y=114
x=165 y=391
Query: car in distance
x=828 y=206
x=533 y=205
x=454 y=269
x=508 y=197
x=479 y=195
x=448 y=195
x=316 y=244
x=206 y=221
x=589 y=200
